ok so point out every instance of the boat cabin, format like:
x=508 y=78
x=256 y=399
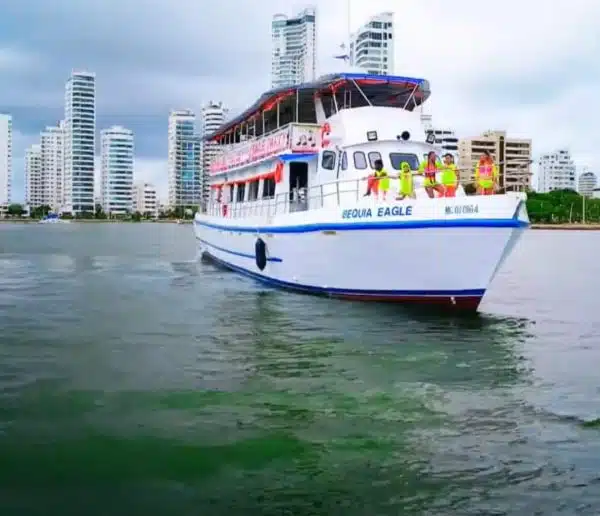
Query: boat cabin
x=312 y=145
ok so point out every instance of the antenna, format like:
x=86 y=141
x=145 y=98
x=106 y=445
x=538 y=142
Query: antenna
x=345 y=46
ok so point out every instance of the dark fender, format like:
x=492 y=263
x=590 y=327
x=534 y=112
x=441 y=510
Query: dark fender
x=260 y=249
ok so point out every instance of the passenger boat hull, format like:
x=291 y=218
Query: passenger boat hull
x=411 y=255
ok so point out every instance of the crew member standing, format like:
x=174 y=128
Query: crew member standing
x=379 y=181
x=486 y=175
x=429 y=168
x=449 y=176
x=406 y=187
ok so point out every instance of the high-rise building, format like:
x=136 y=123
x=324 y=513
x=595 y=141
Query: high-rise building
x=117 y=170
x=372 y=45
x=34 y=193
x=444 y=138
x=80 y=142
x=145 y=199
x=556 y=171
x=5 y=159
x=213 y=116
x=587 y=183
x=294 y=48
x=512 y=155
x=52 y=166
x=185 y=189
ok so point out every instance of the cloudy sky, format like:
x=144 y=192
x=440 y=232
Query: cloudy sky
x=520 y=65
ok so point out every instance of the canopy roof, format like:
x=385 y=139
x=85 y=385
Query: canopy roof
x=380 y=90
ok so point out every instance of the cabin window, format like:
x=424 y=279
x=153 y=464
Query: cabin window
x=373 y=157
x=397 y=158
x=344 y=161
x=328 y=160
x=253 y=190
x=241 y=192
x=360 y=161
x=230 y=196
x=268 y=188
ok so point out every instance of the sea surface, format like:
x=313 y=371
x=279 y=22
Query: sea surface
x=135 y=379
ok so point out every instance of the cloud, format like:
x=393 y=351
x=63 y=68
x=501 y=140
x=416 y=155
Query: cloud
x=531 y=71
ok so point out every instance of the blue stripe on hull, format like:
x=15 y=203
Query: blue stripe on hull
x=347 y=292
x=236 y=253
x=372 y=226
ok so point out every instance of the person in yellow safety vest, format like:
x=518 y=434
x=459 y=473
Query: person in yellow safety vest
x=406 y=187
x=449 y=176
x=429 y=168
x=379 y=181
x=486 y=175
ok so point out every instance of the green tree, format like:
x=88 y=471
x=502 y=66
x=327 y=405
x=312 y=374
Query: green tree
x=16 y=210
x=136 y=216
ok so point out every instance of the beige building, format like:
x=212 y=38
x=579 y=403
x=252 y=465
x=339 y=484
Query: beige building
x=145 y=200
x=512 y=155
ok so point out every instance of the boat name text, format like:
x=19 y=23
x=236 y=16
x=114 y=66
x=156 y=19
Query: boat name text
x=384 y=211
x=462 y=210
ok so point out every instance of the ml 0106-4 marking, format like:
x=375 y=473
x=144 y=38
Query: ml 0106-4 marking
x=465 y=209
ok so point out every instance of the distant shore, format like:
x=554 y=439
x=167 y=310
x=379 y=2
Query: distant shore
x=567 y=227
x=104 y=221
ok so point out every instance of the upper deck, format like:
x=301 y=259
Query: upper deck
x=292 y=119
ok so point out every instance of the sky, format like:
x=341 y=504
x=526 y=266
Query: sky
x=529 y=69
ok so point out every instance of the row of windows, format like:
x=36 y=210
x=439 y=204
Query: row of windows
x=268 y=191
x=362 y=161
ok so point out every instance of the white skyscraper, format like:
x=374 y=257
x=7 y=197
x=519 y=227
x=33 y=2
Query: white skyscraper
x=556 y=171
x=372 y=45
x=52 y=166
x=185 y=189
x=213 y=116
x=117 y=170
x=34 y=194
x=294 y=48
x=80 y=143
x=145 y=199
x=5 y=159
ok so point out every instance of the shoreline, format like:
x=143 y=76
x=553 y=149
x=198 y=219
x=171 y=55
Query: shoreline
x=566 y=227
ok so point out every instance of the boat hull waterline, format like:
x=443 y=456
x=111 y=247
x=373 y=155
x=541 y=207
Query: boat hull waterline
x=445 y=261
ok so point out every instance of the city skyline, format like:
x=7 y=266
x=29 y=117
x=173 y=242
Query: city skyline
x=509 y=81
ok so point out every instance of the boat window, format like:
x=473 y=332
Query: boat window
x=230 y=188
x=397 y=158
x=253 y=190
x=328 y=160
x=373 y=157
x=344 y=161
x=268 y=188
x=241 y=192
x=360 y=160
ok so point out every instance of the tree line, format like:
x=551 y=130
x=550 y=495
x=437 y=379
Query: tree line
x=556 y=207
x=17 y=210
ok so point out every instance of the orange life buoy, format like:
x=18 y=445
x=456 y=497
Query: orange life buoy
x=279 y=172
x=325 y=132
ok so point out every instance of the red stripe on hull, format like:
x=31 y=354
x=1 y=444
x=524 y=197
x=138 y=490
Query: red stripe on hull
x=466 y=303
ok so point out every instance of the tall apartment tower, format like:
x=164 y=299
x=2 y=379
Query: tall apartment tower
x=213 y=116
x=556 y=171
x=294 y=42
x=372 y=45
x=52 y=141
x=80 y=142
x=185 y=189
x=34 y=194
x=5 y=159
x=117 y=151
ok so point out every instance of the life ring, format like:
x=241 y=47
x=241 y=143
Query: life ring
x=278 y=172
x=325 y=132
x=260 y=249
x=224 y=210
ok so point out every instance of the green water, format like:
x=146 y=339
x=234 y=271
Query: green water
x=136 y=380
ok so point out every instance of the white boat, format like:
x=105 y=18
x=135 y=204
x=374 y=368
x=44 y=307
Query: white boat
x=53 y=218
x=287 y=204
